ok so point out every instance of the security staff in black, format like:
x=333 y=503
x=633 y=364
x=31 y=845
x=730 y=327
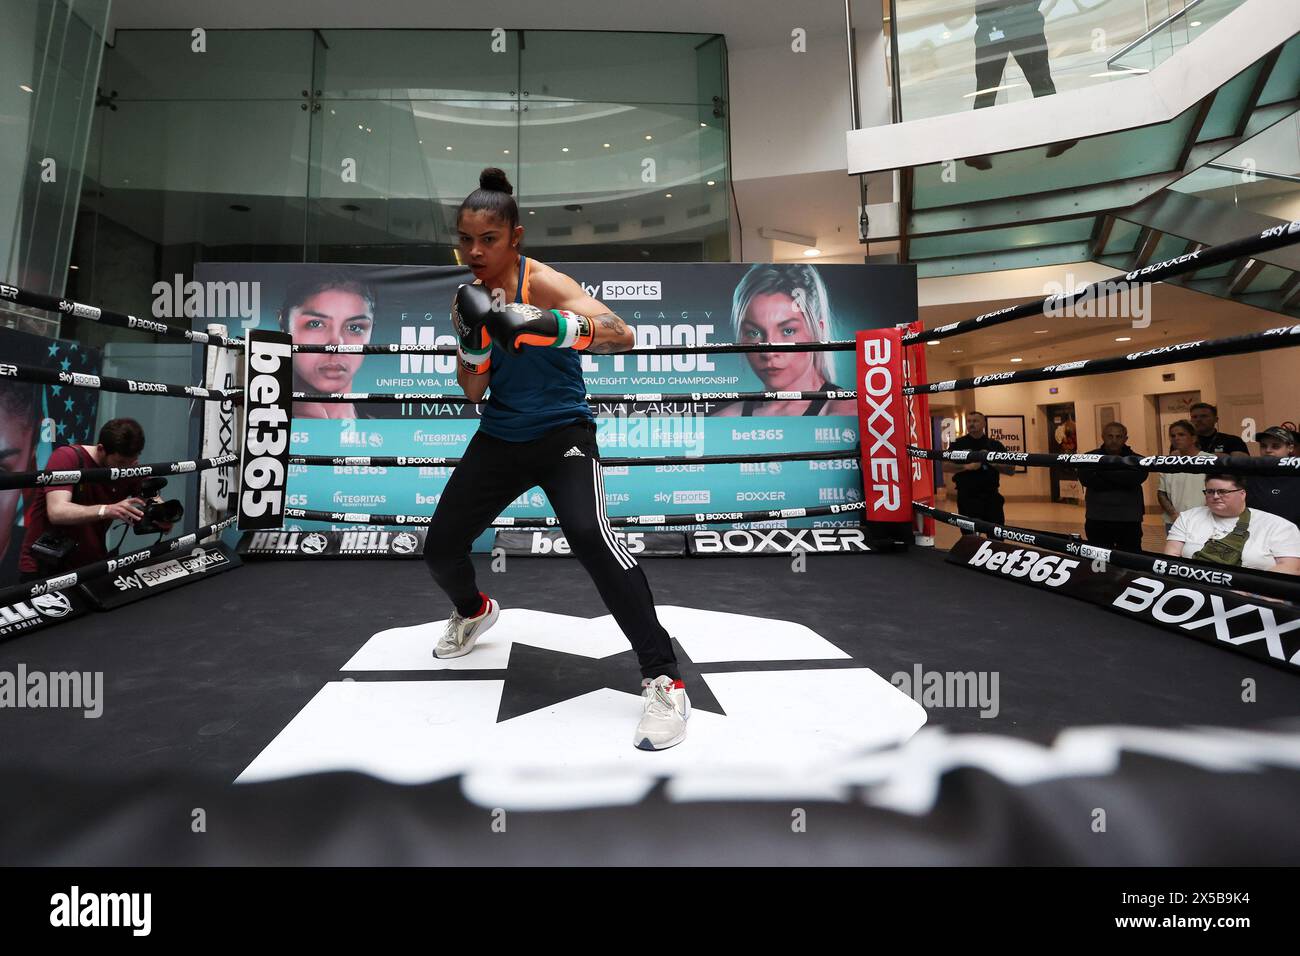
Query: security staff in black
x=1278 y=494
x=977 y=482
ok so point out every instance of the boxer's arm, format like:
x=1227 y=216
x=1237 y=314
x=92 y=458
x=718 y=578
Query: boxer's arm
x=609 y=332
x=474 y=386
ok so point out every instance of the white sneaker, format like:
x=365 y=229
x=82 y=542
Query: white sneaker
x=665 y=708
x=463 y=632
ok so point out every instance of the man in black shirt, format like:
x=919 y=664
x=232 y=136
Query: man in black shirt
x=1114 y=506
x=977 y=482
x=1277 y=494
x=1206 y=419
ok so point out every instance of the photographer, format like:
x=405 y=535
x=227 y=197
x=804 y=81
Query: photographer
x=66 y=526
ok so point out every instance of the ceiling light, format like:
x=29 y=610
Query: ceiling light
x=74 y=267
x=532 y=212
x=24 y=87
x=668 y=195
x=449 y=149
x=1040 y=331
x=812 y=252
x=1124 y=338
x=606 y=145
x=564 y=149
x=706 y=124
x=1017 y=360
x=1195 y=23
x=506 y=151
x=648 y=136
x=931 y=343
x=711 y=183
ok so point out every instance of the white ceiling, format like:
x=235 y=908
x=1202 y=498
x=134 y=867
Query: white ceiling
x=1177 y=315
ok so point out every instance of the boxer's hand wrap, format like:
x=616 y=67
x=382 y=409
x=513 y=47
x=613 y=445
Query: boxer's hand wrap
x=514 y=326
x=472 y=342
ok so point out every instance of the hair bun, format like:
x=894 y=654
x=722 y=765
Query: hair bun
x=495 y=180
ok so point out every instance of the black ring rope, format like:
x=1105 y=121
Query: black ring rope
x=106 y=566
x=53 y=479
x=1266 y=583
x=1287 y=336
x=621 y=521
x=1161 y=464
x=1273 y=238
x=411 y=461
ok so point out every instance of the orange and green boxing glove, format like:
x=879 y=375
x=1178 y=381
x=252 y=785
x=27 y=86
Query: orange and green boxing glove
x=514 y=326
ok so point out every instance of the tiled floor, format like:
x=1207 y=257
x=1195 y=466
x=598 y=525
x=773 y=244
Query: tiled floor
x=1047 y=516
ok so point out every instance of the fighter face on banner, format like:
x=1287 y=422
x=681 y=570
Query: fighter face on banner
x=327 y=307
x=786 y=304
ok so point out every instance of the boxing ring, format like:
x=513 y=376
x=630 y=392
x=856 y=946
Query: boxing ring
x=299 y=699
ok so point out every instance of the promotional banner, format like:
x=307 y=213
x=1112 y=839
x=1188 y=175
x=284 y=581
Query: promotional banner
x=34 y=420
x=218 y=484
x=742 y=541
x=1264 y=628
x=664 y=303
x=264 y=452
x=333 y=544
x=110 y=591
x=53 y=607
x=886 y=467
x=539 y=543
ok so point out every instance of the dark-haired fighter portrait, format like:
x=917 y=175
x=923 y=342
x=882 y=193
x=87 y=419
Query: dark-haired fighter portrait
x=329 y=306
x=521 y=329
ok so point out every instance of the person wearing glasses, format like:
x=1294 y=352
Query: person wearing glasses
x=1225 y=531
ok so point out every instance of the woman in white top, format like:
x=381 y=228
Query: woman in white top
x=1177 y=493
x=1225 y=531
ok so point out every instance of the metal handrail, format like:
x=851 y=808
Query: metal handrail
x=1152 y=32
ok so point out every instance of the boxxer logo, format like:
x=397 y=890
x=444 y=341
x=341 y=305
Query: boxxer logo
x=1225 y=617
x=877 y=391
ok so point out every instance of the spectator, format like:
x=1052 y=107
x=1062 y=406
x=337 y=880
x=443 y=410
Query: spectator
x=1277 y=494
x=1178 y=492
x=977 y=482
x=1206 y=419
x=1225 y=531
x=1114 y=503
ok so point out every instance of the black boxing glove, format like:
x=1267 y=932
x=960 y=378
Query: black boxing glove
x=469 y=309
x=514 y=326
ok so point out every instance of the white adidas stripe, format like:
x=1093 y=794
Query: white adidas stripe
x=625 y=560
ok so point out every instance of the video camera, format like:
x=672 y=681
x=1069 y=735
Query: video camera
x=157 y=513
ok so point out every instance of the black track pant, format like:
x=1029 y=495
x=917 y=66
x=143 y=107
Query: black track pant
x=991 y=62
x=565 y=463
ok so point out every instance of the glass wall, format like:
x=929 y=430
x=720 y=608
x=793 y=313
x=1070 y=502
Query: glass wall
x=49 y=60
x=359 y=145
x=956 y=57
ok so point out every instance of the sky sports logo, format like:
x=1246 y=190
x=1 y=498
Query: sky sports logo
x=614 y=290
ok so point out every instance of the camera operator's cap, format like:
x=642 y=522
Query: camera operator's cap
x=1278 y=432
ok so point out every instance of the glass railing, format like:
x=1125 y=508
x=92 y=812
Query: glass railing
x=953 y=57
x=1170 y=35
x=1261 y=175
